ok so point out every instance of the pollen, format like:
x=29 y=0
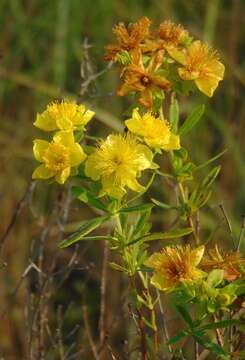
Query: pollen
x=56 y=157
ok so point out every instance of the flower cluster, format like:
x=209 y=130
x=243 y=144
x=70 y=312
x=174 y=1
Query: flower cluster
x=61 y=156
x=211 y=281
x=152 y=62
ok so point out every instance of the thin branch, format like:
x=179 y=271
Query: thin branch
x=102 y=323
x=88 y=333
x=241 y=234
x=221 y=206
x=19 y=207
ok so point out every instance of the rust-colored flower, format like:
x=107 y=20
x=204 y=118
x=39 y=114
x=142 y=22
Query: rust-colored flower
x=174 y=265
x=144 y=79
x=128 y=38
x=170 y=36
x=229 y=262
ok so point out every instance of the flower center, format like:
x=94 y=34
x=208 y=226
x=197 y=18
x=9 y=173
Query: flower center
x=145 y=80
x=56 y=157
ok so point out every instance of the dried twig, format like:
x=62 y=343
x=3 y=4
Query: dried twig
x=19 y=207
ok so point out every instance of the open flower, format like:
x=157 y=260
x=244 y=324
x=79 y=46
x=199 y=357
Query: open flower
x=202 y=65
x=229 y=262
x=174 y=265
x=128 y=38
x=144 y=79
x=118 y=161
x=58 y=157
x=64 y=115
x=155 y=131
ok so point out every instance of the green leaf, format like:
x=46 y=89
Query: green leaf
x=215 y=277
x=142 y=225
x=213 y=347
x=178 y=337
x=182 y=310
x=88 y=198
x=123 y=57
x=117 y=267
x=192 y=120
x=181 y=153
x=209 y=179
x=209 y=161
x=78 y=135
x=162 y=205
x=220 y=324
x=84 y=230
x=174 y=115
x=163 y=236
x=140 y=208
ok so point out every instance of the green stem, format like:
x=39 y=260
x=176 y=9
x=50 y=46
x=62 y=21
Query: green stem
x=189 y=217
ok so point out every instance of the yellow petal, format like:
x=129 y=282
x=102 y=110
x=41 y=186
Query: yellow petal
x=63 y=175
x=207 y=85
x=111 y=188
x=77 y=155
x=45 y=122
x=176 y=54
x=146 y=158
x=133 y=184
x=218 y=69
x=160 y=282
x=41 y=172
x=87 y=117
x=91 y=169
x=64 y=124
x=173 y=144
x=135 y=124
x=38 y=148
x=66 y=138
x=197 y=254
x=154 y=260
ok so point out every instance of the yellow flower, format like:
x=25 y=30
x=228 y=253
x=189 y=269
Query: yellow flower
x=64 y=115
x=155 y=131
x=174 y=265
x=58 y=157
x=118 y=161
x=202 y=65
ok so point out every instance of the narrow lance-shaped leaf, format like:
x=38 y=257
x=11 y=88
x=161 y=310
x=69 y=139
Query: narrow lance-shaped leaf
x=209 y=179
x=220 y=324
x=182 y=310
x=162 y=205
x=139 y=208
x=178 y=337
x=213 y=347
x=88 y=198
x=86 y=228
x=163 y=236
x=192 y=120
x=209 y=161
x=174 y=115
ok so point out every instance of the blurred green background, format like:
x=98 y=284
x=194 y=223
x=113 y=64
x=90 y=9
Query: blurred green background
x=47 y=50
